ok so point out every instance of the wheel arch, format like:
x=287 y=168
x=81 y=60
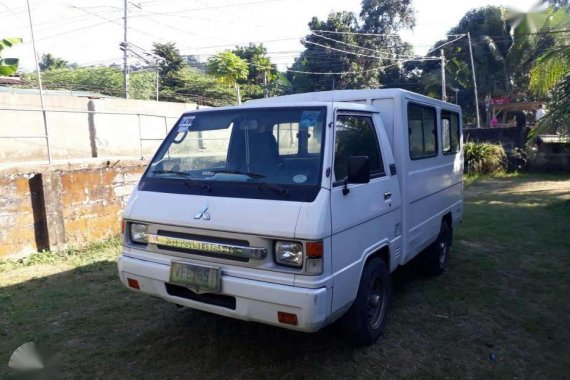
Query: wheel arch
x=448 y=218
x=383 y=253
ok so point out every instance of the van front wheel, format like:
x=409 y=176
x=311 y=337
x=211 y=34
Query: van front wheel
x=365 y=321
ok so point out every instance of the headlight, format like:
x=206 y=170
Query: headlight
x=289 y=253
x=139 y=233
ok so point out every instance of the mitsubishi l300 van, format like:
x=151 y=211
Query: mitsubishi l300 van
x=293 y=211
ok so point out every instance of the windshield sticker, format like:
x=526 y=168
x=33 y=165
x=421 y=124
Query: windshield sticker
x=185 y=123
x=309 y=118
x=300 y=178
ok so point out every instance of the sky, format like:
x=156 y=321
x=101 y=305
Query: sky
x=89 y=32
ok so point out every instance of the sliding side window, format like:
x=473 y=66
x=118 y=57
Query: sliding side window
x=450 y=132
x=422 y=131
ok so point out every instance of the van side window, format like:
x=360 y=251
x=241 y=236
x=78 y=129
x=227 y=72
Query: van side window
x=449 y=132
x=355 y=136
x=422 y=131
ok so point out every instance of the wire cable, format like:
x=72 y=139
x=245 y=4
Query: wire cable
x=361 y=47
x=367 y=55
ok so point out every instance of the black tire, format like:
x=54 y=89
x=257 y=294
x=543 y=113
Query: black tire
x=436 y=256
x=365 y=321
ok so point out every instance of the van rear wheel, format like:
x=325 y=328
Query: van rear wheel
x=365 y=321
x=437 y=255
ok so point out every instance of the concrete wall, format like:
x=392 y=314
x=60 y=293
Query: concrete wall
x=52 y=207
x=77 y=134
x=510 y=138
x=549 y=157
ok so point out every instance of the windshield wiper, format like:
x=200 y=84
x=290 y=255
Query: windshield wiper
x=188 y=177
x=255 y=176
x=257 y=179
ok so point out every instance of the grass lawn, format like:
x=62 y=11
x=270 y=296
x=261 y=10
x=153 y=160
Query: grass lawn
x=502 y=310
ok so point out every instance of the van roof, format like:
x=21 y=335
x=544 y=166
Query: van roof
x=352 y=96
x=290 y=103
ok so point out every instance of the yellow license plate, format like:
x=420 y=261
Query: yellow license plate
x=200 y=278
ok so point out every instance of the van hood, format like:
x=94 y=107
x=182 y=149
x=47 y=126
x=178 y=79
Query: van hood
x=250 y=216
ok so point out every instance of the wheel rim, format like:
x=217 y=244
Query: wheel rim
x=376 y=303
x=443 y=251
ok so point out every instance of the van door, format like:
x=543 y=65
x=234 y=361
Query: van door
x=368 y=216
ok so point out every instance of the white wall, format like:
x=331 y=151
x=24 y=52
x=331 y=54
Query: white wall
x=69 y=133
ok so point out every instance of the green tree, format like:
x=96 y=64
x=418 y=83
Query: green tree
x=343 y=49
x=49 y=62
x=258 y=61
x=502 y=57
x=172 y=64
x=103 y=80
x=323 y=55
x=200 y=88
x=228 y=68
x=8 y=66
x=491 y=42
x=387 y=16
x=260 y=69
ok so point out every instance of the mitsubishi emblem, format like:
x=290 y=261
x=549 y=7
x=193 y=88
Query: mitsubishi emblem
x=203 y=214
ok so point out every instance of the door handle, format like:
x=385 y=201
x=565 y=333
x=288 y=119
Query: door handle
x=387 y=195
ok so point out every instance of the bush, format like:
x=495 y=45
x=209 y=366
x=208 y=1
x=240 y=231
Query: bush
x=484 y=158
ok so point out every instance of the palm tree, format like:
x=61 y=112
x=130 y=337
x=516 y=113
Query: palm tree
x=550 y=76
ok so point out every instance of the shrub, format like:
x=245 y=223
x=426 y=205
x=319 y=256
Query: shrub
x=484 y=158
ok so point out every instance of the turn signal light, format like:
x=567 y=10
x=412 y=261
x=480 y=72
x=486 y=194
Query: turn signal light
x=123 y=226
x=133 y=283
x=315 y=249
x=287 y=318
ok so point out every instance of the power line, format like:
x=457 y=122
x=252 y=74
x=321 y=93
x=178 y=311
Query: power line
x=360 y=47
x=113 y=21
x=243 y=43
x=193 y=17
x=70 y=31
x=214 y=7
x=13 y=12
x=447 y=43
x=357 y=33
x=341 y=72
x=366 y=55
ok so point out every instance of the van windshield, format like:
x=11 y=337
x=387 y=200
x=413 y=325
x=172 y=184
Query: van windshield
x=278 y=146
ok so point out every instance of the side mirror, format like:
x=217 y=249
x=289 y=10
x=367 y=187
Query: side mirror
x=358 y=171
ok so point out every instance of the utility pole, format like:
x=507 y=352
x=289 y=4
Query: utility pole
x=39 y=83
x=474 y=80
x=157 y=82
x=456 y=90
x=126 y=54
x=443 y=92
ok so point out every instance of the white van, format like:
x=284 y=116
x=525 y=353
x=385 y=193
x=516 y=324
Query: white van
x=294 y=210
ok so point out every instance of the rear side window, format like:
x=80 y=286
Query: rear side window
x=355 y=136
x=449 y=132
x=422 y=131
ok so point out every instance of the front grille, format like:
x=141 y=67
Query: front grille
x=207 y=239
x=221 y=300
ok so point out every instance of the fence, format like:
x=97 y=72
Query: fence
x=78 y=134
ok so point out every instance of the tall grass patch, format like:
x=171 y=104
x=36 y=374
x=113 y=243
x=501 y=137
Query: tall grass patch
x=484 y=158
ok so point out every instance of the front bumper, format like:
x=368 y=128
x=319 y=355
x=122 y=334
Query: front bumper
x=257 y=301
